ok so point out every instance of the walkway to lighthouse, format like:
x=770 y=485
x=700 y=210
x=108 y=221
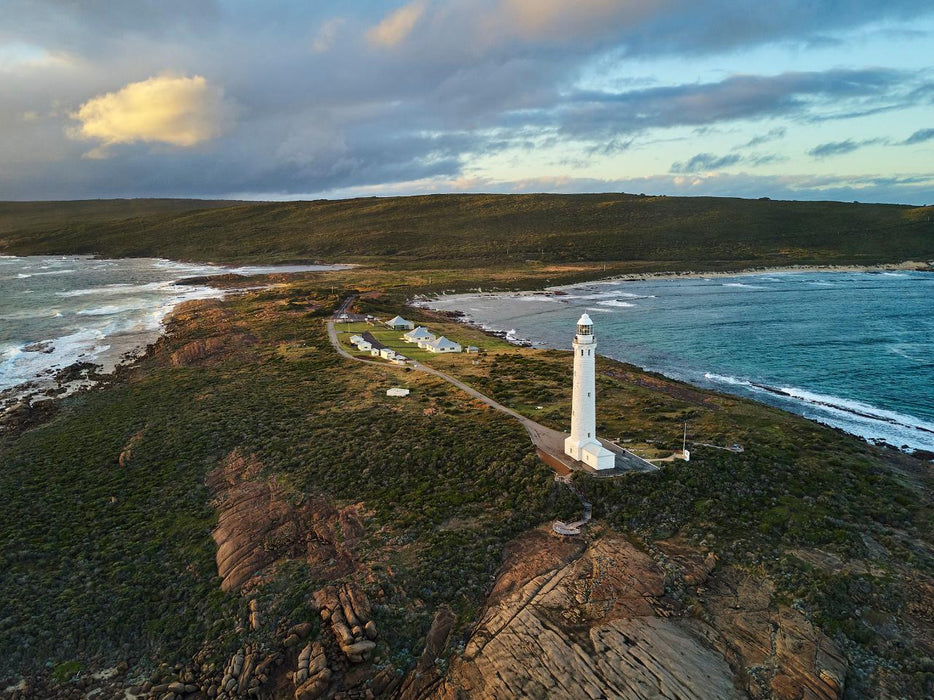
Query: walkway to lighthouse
x=549 y=443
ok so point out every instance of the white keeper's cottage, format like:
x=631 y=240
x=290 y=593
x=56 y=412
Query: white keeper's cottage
x=420 y=334
x=400 y=324
x=441 y=344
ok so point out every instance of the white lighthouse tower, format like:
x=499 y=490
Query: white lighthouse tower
x=582 y=443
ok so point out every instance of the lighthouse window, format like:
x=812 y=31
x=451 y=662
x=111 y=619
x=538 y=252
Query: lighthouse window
x=582 y=352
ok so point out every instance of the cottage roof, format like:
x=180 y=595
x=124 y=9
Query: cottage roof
x=443 y=342
x=419 y=333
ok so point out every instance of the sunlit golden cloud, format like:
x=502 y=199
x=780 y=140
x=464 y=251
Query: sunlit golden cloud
x=179 y=111
x=554 y=19
x=396 y=27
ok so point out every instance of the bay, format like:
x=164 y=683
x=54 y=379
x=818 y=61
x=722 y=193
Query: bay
x=854 y=350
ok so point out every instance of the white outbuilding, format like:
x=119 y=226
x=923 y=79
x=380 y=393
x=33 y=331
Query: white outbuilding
x=400 y=324
x=397 y=391
x=442 y=344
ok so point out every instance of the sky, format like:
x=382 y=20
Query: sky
x=788 y=99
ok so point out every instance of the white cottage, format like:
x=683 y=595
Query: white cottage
x=420 y=334
x=442 y=344
x=400 y=324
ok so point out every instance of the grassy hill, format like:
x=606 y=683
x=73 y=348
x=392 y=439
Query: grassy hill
x=28 y=217
x=480 y=230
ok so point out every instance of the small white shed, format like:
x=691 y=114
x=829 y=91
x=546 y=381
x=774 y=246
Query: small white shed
x=397 y=391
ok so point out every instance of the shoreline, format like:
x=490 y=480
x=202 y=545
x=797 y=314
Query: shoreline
x=23 y=403
x=906 y=266
x=791 y=403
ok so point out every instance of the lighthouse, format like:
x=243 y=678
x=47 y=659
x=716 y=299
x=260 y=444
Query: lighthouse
x=582 y=443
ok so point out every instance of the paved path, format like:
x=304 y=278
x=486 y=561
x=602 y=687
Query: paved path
x=550 y=443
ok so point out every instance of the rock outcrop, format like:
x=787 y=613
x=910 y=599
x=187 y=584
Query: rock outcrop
x=590 y=628
x=258 y=526
x=347 y=611
x=602 y=622
x=776 y=651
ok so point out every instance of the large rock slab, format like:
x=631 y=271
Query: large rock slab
x=589 y=628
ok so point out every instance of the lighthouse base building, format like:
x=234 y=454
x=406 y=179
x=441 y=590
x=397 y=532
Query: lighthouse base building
x=582 y=443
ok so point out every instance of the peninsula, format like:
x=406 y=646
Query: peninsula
x=246 y=512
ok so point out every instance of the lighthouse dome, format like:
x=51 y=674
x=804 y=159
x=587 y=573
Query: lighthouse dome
x=584 y=326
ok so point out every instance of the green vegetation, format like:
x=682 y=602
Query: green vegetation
x=109 y=558
x=64 y=671
x=629 y=232
x=105 y=534
x=842 y=528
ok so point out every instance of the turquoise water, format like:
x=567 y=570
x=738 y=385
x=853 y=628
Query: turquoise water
x=57 y=310
x=853 y=350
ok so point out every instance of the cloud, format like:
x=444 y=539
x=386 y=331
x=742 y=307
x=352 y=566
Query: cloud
x=396 y=27
x=178 y=111
x=332 y=96
x=705 y=162
x=919 y=136
x=561 y=20
x=764 y=159
x=327 y=34
x=635 y=27
x=771 y=135
x=839 y=148
x=736 y=97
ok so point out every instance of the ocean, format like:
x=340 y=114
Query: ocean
x=58 y=310
x=854 y=350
